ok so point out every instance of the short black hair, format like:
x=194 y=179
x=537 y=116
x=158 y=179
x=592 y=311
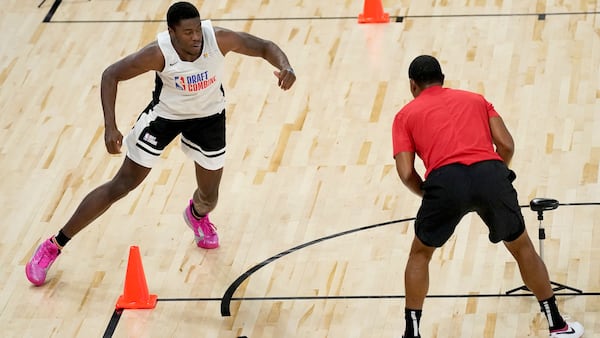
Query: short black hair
x=424 y=70
x=180 y=11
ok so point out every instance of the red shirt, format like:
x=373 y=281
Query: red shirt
x=444 y=126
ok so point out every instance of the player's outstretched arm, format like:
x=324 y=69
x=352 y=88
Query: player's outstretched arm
x=248 y=44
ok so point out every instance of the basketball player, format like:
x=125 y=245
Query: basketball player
x=466 y=149
x=188 y=100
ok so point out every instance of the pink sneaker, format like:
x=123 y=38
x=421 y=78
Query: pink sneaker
x=38 y=266
x=204 y=231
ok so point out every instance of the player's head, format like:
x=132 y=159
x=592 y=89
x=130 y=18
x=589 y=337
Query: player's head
x=180 y=11
x=185 y=29
x=424 y=70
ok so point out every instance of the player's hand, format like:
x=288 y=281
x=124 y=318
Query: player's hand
x=113 y=140
x=286 y=78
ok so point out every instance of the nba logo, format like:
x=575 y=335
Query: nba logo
x=150 y=139
x=180 y=82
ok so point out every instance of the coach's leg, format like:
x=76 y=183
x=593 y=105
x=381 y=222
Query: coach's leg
x=532 y=268
x=535 y=276
x=416 y=283
x=416 y=274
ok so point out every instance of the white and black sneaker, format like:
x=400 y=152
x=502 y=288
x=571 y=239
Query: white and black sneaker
x=572 y=329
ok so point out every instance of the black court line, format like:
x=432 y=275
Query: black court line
x=567 y=204
x=114 y=320
x=492 y=15
x=580 y=204
x=212 y=19
x=293 y=298
x=399 y=19
x=52 y=10
x=112 y=324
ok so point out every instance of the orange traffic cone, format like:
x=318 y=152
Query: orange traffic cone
x=373 y=13
x=135 y=295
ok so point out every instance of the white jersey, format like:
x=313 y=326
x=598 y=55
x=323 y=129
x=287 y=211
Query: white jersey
x=186 y=89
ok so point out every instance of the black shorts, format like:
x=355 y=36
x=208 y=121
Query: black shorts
x=202 y=139
x=452 y=191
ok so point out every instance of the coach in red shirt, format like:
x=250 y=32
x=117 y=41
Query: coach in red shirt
x=466 y=148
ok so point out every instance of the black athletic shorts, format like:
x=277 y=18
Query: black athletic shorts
x=452 y=191
x=202 y=139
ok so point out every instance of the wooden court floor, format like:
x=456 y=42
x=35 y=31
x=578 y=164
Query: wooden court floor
x=310 y=198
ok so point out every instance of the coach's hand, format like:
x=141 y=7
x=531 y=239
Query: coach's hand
x=286 y=78
x=113 y=140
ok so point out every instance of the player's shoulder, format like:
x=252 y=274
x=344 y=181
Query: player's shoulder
x=153 y=45
x=152 y=49
x=227 y=39
x=151 y=56
x=222 y=32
